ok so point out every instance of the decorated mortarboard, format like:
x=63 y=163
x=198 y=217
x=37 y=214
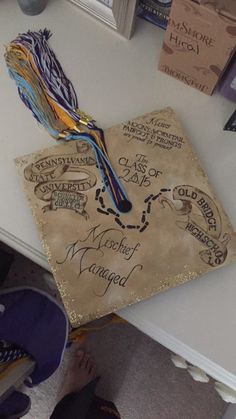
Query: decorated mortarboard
x=104 y=252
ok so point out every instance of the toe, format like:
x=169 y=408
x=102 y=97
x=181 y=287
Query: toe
x=78 y=357
x=79 y=354
x=89 y=364
x=85 y=360
x=93 y=372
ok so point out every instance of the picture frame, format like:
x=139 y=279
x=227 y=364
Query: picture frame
x=117 y=14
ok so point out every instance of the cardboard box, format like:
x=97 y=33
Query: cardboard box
x=199 y=41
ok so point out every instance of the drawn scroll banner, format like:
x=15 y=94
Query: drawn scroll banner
x=103 y=260
x=190 y=197
x=50 y=186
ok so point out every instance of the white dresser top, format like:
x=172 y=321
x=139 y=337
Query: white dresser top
x=117 y=80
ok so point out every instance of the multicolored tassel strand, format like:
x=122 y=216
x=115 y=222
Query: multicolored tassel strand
x=46 y=91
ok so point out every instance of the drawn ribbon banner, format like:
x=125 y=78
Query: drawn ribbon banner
x=216 y=252
x=50 y=175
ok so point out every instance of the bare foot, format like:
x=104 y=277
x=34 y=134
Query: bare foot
x=82 y=370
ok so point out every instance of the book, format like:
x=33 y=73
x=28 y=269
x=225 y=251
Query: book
x=155 y=11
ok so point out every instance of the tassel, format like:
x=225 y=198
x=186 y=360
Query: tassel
x=46 y=91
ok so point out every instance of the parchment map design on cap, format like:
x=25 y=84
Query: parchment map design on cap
x=103 y=260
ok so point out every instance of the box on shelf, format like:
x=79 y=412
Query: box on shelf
x=199 y=41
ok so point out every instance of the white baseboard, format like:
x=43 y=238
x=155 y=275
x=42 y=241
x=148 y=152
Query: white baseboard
x=174 y=345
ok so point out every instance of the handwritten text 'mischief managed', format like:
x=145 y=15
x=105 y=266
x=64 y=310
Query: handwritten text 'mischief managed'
x=91 y=249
